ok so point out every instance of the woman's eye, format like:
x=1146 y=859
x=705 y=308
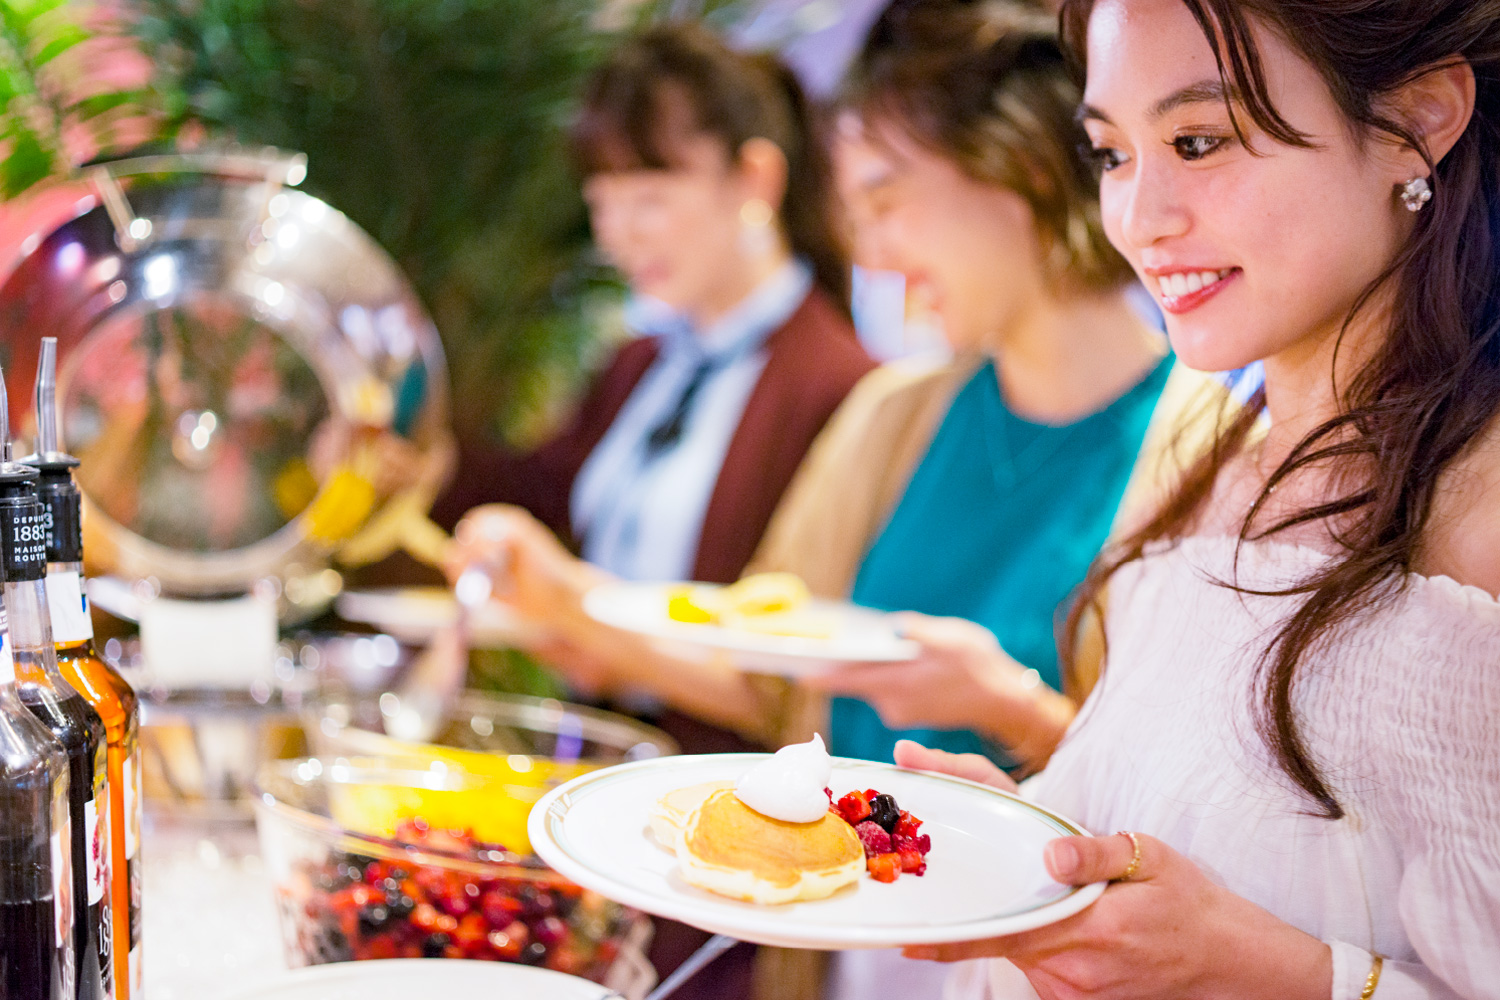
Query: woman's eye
x=1103 y=158
x=1196 y=147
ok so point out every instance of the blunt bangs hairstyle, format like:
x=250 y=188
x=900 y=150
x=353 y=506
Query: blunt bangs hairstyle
x=679 y=80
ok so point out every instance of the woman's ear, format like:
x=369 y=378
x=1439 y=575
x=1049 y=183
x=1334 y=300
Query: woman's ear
x=763 y=171
x=1438 y=106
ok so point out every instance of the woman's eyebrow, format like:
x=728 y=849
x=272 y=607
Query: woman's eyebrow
x=1202 y=92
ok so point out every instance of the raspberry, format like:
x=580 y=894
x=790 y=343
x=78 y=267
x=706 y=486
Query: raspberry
x=875 y=840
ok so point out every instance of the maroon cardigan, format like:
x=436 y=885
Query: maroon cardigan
x=813 y=361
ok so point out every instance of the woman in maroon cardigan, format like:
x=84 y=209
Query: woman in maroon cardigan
x=709 y=188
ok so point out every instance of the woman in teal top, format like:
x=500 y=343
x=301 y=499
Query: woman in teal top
x=1018 y=511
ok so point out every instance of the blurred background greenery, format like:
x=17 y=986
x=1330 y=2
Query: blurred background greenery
x=436 y=125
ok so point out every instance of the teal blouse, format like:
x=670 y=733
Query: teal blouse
x=998 y=525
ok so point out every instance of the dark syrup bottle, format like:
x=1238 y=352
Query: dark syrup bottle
x=101 y=685
x=23 y=552
x=36 y=871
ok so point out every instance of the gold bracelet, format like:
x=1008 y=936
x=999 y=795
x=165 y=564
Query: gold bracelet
x=1373 y=979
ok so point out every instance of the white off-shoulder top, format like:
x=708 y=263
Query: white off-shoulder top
x=1402 y=710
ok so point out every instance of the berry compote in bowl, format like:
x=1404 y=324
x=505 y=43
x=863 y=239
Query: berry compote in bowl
x=356 y=879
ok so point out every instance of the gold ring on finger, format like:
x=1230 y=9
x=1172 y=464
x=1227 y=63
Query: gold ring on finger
x=1135 y=858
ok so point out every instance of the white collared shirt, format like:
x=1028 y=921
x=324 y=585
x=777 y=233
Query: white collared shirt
x=641 y=516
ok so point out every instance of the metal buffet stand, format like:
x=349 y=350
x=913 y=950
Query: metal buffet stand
x=258 y=399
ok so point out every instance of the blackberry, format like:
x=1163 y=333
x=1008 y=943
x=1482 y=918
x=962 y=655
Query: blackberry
x=435 y=945
x=885 y=812
x=533 y=953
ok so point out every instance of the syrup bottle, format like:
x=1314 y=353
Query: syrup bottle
x=101 y=685
x=23 y=553
x=36 y=865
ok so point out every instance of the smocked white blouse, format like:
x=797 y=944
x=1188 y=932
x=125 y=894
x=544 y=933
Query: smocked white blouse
x=1403 y=712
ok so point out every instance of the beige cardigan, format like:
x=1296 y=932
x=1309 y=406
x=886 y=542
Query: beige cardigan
x=859 y=467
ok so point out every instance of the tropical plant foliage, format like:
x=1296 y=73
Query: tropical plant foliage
x=53 y=114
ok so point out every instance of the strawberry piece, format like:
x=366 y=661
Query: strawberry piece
x=855 y=808
x=884 y=867
x=907 y=825
x=912 y=861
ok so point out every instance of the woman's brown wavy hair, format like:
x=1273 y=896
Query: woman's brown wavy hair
x=1434 y=386
x=626 y=123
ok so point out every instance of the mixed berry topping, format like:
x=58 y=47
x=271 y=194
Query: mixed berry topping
x=889 y=834
x=358 y=907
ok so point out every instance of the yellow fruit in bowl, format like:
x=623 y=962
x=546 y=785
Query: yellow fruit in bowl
x=489 y=794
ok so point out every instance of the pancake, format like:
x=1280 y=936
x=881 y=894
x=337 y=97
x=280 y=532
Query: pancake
x=730 y=849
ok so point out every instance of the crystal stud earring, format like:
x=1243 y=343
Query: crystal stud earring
x=1416 y=193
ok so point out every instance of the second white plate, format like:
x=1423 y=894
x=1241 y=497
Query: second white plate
x=985 y=875
x=860 y=634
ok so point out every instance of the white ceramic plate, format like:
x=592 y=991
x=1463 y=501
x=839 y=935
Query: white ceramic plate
x=404 y=978
x=984 y=877
x=859 y=634
x=415 y=614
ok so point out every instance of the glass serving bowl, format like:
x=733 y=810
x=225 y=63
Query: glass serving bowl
x=526 y=746
x=348 y=888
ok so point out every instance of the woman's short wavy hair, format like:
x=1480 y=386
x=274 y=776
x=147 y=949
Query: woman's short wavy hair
x=985 y=84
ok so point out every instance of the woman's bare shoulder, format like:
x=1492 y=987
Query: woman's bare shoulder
x=1463 y=536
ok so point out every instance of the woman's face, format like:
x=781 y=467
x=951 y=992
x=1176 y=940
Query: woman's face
x=1250 y=254
x=969 y=250
x=675 y=234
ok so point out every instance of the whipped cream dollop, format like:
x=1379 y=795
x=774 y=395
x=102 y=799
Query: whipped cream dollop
x=790 y=784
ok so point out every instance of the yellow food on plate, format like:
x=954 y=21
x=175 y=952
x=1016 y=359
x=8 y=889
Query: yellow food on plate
x=765 y=594
x=767 y=603
x=728 y=848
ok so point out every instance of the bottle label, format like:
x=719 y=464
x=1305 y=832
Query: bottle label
x=23 y=541
x=107 y=950
x=69 y=608
x=93 y=830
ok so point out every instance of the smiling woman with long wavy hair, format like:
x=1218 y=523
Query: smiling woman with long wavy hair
x=1297 y=716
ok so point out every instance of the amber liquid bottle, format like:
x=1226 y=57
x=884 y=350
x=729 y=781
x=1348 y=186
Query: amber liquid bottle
x=100 y=684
